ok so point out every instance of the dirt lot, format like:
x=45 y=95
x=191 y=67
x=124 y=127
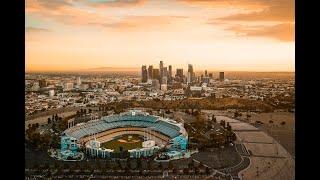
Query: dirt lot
x=284 y=134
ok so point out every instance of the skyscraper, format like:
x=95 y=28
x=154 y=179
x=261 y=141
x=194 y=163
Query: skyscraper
x=161 y=69
x=221 y=76
x=144 y=74
x=164 y=80
x=170 y=75
x=164 y=72
x=155 y=83
x=150 y=72
x=188 y=77
x=155 y=74
x=179 y=75
x=190 y=69
x=210 y=75
x=205 y=73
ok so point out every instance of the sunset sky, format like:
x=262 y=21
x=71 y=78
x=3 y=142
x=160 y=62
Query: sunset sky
x=229 y=35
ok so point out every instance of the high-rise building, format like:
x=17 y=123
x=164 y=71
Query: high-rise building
x=43 y=83
x=221 y=76
x=210 y=75
x=155 y=83
x=150 y=72
x=189 y=77
x=205 y=73
x=164 y=80
x=206 y=80
x=78 y=81
x=144 y=74
x=170 y=75
x=161 y=69
x=190 y=69
x=165 y=72
x=179 y=73
x=155 y=74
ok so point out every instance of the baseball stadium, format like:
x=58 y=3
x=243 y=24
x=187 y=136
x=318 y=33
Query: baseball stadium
x=135 y=132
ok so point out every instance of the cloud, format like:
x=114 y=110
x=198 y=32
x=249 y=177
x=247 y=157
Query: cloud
x=278 y=10
x=67 y=11
x=131 y=23
x=48 y=4
x=283 y=32
x=36 y=29
x=259 y=10
x=114 y=3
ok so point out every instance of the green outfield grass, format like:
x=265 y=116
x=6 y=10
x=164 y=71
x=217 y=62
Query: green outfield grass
x=125 y=142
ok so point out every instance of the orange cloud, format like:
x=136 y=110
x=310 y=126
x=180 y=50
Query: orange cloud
x=262 y=10
x=116 y=3
x=130 y=23
x=34 y=29
x=64 y=13
x=282 y=32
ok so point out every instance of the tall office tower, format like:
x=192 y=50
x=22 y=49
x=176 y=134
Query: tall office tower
x=150 y=72
x=189 y=77
x=205 y=73
x=221 y=76
x=164 y=80
x=170 y=75
x=78 y=81
x=155 y=83
x=179 y=73
x=161 y=69
x=201 y=78
x=190 y=69
x=144 y=74
x=206 y=80
x=165 y=72
x=155 y=74
x=210 y=75
x=43 y=83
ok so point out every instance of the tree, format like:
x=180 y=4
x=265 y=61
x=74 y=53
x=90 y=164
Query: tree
x=49 y=120
x=223 y=123
x=228 y=126
x=236 y=114
x=207 y=170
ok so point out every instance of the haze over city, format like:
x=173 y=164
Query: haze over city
x=221 y=35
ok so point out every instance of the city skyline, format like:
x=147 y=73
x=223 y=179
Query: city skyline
x=81 y=35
